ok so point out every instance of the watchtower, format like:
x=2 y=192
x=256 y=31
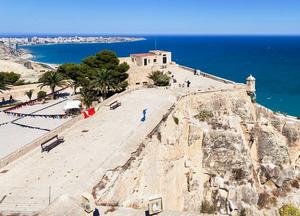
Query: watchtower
x=251 y=88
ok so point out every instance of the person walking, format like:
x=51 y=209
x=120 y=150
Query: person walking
x=144 y=115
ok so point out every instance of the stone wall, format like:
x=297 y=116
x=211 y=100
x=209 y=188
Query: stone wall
x=209 y=75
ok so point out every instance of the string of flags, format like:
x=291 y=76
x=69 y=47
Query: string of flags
x=31 y=102
x=22 y=115
x=31 y=127
x=5 y=123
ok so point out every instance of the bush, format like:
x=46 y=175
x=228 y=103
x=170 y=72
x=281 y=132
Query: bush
x=176 y=120
x=41 y=94
x=204 y=115
x=159 y=78
x=243 y=212
x=265 y=200
x=289 y=210
x=207 y=208
x=295 y=184
x=10 y=78
x=20 y=82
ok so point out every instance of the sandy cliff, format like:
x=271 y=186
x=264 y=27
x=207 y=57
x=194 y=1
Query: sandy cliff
x=18 y=61
x=214 y=152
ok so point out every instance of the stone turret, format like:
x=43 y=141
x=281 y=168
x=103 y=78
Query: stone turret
x=251 y=88
x=251 y=84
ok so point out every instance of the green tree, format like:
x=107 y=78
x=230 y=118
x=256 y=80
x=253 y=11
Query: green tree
x=72 y=71
x=104 y=83
x=10 y=78
x=159 y=78
x=29 y=93
x=107 y=60
x=104 y=59
x=53 y=80
x=3 y=84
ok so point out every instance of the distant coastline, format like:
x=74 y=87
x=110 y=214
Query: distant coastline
x=15 y=42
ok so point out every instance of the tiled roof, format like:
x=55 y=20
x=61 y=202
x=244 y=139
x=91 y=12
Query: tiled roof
x=142 y=54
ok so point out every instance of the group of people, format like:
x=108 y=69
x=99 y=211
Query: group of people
x=196 y=72
x=188 y=84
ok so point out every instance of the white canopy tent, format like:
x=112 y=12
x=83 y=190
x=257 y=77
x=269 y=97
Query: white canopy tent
x=75 y=104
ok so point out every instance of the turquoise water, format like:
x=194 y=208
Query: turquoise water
x=274 y=61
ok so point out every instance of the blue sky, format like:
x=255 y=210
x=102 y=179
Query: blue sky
x=151 y=16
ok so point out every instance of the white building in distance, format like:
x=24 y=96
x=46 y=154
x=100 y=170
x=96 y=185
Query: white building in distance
x=152 y=58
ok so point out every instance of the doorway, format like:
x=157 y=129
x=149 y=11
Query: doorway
x=165 y=60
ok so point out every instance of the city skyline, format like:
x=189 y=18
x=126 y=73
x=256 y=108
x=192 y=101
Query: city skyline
x=134 y=17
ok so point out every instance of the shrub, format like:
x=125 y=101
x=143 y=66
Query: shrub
x=10 y=78
x=289 y=210
x=295 y=184
x=41 y=94
x=207 y=208
x=243 y=212
x=159 y=78
x=176 y=120
x=265 y=200
x=204 y=115
x=21 y=82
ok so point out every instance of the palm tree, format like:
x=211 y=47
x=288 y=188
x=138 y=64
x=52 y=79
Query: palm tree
x=53 y=80
x=104 y=83
x=88 y=95
x=29 y=94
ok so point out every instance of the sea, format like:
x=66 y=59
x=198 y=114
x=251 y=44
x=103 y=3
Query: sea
x=273 y=60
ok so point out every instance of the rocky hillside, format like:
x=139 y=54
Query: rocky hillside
x=213 y=153
x=17 y=61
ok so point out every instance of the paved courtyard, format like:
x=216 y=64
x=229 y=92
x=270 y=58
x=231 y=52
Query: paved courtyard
x=21 y=131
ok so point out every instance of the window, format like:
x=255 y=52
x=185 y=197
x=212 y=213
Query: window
x=154 y=60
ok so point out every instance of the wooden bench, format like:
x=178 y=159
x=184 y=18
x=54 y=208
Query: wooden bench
x=51 y=143
x=114 y=104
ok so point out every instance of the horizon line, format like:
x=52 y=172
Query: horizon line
x=135 y=34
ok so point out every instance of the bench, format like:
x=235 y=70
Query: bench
x=114 y=104
x=51 y=143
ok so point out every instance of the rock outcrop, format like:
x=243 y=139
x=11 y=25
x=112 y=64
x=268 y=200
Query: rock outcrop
x=18 y=61
x=214 y=153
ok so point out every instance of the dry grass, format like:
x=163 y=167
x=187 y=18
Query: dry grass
x=282 y=191
x=295 y=184
x=267 y=201
x=207 y=208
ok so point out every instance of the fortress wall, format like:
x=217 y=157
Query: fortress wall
x=209 y=75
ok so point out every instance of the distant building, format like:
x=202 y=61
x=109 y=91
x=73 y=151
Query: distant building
x=152 y=58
